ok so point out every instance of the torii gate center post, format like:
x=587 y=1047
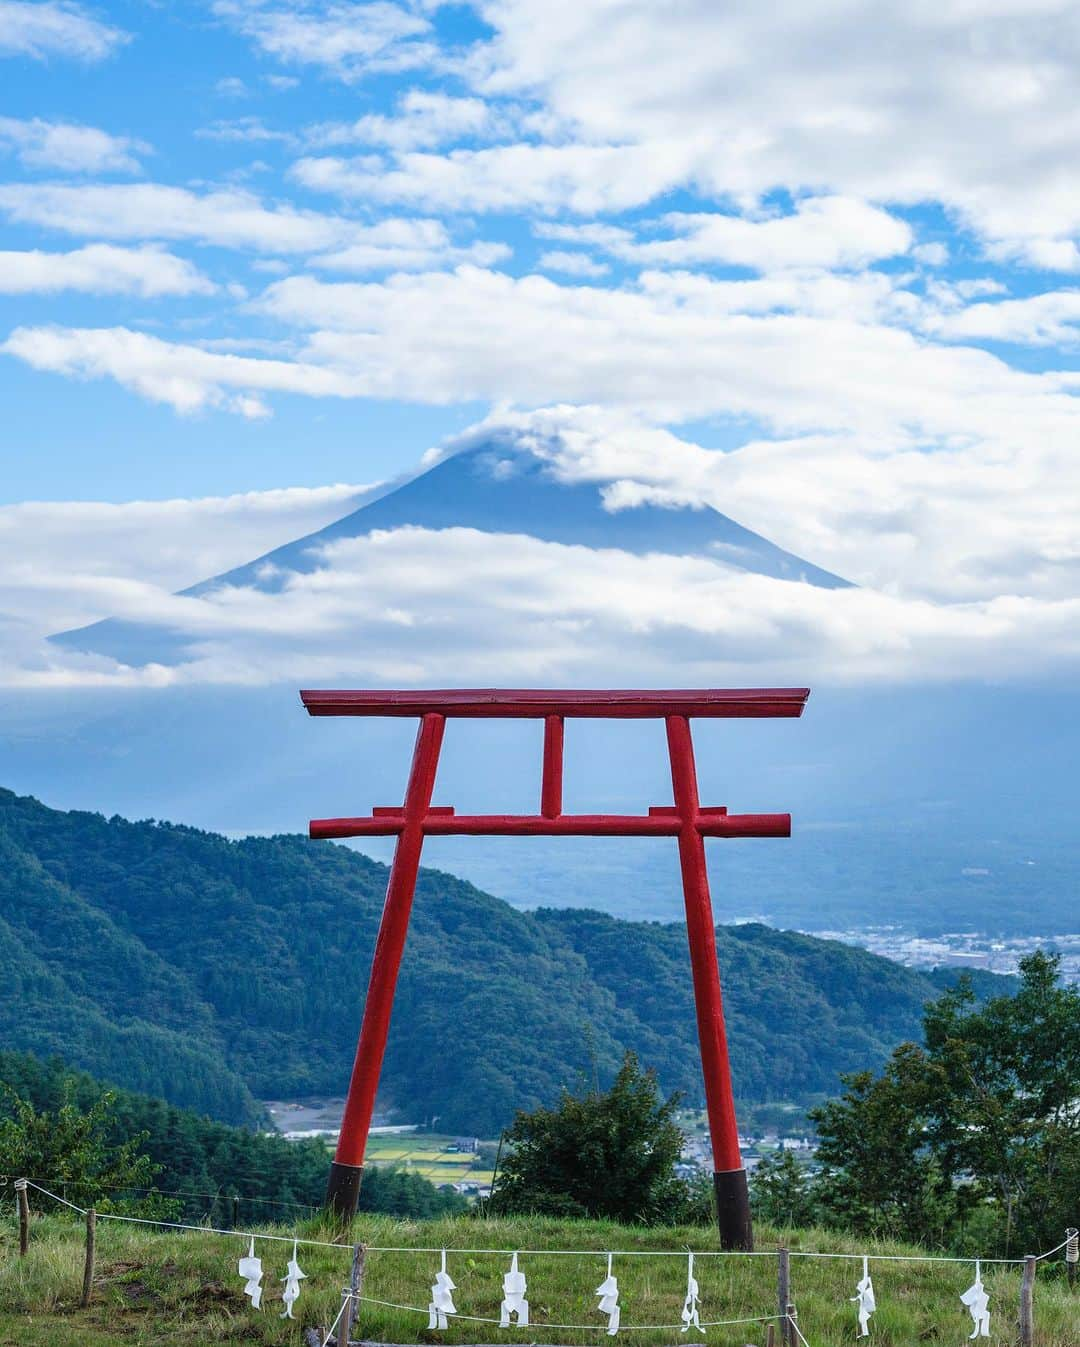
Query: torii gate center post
x=687 y=820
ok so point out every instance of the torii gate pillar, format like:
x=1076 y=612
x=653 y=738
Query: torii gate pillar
x=687 y=820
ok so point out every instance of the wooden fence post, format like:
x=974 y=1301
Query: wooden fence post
x=24 y=1217
x=235 y=1211
x=783 y=1294
x=789 y=1319
x=1027 y=1307
x=1072 y=1253
x=770 y=1335
x=356 y=1285
x=88 y=1269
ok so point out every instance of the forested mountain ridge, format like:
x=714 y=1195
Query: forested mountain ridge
x=214 y=972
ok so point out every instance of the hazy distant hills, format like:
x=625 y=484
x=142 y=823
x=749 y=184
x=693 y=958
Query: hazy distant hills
x=495 y=489
x=214 y=972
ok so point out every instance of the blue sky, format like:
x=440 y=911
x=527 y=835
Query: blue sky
x=814 y=266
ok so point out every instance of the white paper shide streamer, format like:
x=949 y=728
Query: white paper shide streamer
x=250 y=1268
x=292 y=1279
x=442 y=1297
x=691 y=1314
x=864 y=1299
x=978 y=1303
x=514 y=1303
x=608 y=1291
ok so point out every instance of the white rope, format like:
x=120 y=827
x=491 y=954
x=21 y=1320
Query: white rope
x=547 y=1253
x=30 y=1184
x=479 y=1319
x=1050 y=1252
x=791 y=1320
x=347 y=1299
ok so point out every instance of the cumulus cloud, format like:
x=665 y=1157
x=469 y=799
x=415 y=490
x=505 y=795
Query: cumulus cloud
x=407 y=245
x=65 y=563
x=1048 y=319
x=821 y=233
x=581 y=178
x=975 y=519
x=423 y=118
x=44 y=28
x=891 y=102
x=69 y=147
x=187 y=378
x=408 y=604
x=572 y=263
x=228 y=218
x=936 y=470
x=345 y=39
x=101 y=269
x=238 y=219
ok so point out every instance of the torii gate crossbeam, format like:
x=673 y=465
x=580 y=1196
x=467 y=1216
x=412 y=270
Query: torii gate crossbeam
x=687 y=820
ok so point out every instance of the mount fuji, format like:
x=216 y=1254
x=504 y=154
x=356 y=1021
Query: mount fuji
x=931 y=807
x=492 y=488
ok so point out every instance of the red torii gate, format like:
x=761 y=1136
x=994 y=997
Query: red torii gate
x=688 y=820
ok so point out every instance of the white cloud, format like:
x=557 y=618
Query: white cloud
x=406 y=605
x=674 y=347
x=938 y=472
x=242 y=131
x=232 y=86
x=969 y=105
x=582 y=178
x=237 y=219
x=101 y=269
x=572 y=264
x=68 y=147
x=186 y=378
x=233 y=218
x=423 y=119
x=66 y=563
x=822 y=232
x=972 y=520
x=407 y=245
x=1048 y=319
x=345 y=39
x=47 y=28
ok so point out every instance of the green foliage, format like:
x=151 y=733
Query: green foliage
x=89 y=1140
x=212 y=972
x=598 y=1154
x=974 y=1136
x=782 y=1192
x=75 y=1148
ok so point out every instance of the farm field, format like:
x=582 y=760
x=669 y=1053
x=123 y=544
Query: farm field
x=182 y=1289
x=426 y=1155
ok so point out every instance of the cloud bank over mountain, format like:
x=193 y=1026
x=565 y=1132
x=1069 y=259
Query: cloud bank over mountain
x=567 y=545
x=810 y=266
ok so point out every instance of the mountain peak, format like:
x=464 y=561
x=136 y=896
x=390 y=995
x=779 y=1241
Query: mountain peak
x=497 y=483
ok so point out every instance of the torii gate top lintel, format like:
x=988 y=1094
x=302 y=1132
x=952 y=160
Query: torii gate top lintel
x=534 y=703
x=676 y=708
x=687 y=820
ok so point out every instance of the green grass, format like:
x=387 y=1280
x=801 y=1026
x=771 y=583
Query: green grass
x=179 y=1290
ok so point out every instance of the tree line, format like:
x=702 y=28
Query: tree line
x=124 y=1151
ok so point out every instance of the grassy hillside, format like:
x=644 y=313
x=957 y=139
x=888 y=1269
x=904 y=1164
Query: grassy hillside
x=177 y=1290
x=213 y=972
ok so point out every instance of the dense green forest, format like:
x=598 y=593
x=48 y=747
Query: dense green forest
x=213 y=973
x=200 y=1165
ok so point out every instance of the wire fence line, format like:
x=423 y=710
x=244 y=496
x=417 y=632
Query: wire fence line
x=353 y=1296
x=222 y=1195
x=545 y=1253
